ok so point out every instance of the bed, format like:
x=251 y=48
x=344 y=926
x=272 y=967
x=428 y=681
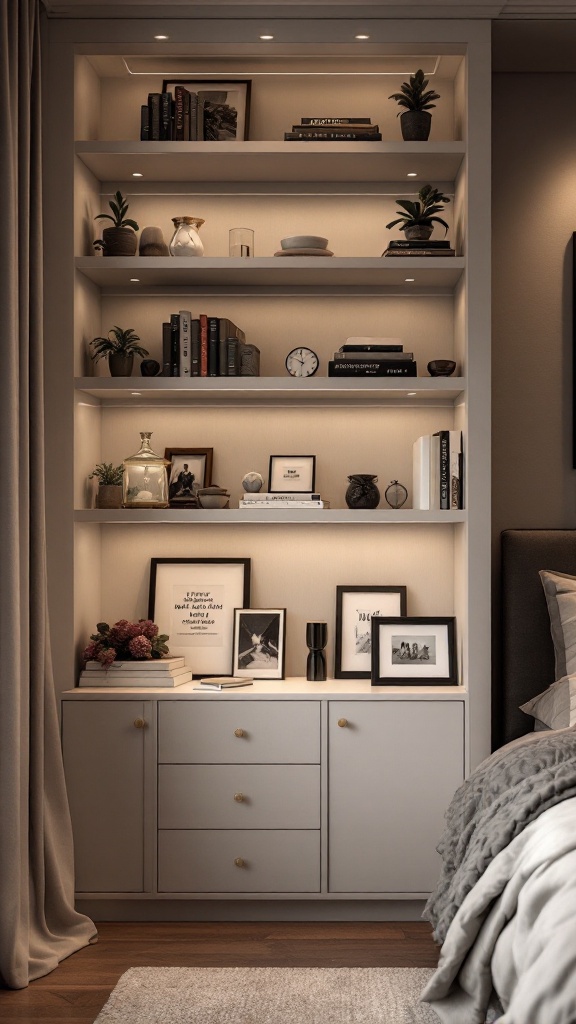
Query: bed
x=504 y=909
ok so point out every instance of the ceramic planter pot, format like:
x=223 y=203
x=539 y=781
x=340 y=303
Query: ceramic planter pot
x=119 y=242
x=362 y=491
x=109 y=496
x=419 y=232
x=415 y=125
x=121 y=364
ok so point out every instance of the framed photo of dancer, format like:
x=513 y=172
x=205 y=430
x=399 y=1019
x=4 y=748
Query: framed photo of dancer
x=355 y=608
x=259 y=646
x=189 y=469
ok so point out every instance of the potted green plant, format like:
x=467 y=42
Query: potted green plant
x=415 y=120
x=119 y=348
x=418 y=217
x=120 y=239
x=109 y=493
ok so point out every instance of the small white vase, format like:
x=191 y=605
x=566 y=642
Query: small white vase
x=186 y=241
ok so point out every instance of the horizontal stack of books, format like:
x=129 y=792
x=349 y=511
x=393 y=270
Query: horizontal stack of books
x=282 y=499
x=206 y=346
x=154 y=672
x=334 y=129
x=437 y=471
x=372 y=357
x=186 y=116
x=409 y=247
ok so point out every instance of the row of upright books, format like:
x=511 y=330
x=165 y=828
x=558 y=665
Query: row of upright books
x=282 y=499
x=206 y=346
x=334 y=129
x=187 y=116
x=438 y=471
x=385 y=358
x=410 y=247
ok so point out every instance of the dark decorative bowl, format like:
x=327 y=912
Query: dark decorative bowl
x=441 y=367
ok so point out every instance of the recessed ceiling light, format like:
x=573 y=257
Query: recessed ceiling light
x=412 y=174
x=266 y=37
x=361 y=37
x=161 y=37
x=137 y=174
x=409 y=279
x=136 y=394
x=135 y=279
x=410 y=394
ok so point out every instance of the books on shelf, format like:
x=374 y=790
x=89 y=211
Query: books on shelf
x=154 y=672
x=399 y=247
x=259 y=505
x=372 y=368
x=223 y=682
x=205 y=346
x=334 y=129
x=372 y=355
x=185 y=116
x=437 y=471
x=282 y=499
x=414 y=243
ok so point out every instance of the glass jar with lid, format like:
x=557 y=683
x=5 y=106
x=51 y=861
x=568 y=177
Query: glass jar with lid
x=145 y=481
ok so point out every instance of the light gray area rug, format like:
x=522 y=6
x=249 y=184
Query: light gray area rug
x=269 y=995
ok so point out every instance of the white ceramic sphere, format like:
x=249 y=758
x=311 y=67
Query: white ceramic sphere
x=252 y=482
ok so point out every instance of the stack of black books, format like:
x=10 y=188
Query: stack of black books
x=334 y=129
x=366 y=360
x=206 y=346
x=410 y=247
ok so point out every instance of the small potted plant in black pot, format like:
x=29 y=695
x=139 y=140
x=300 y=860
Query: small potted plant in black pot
x=120 y=239
x=416 y=119
x=109 y=493
x=418 y=217
x=119 y=348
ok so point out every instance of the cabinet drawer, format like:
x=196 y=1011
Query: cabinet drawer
x=239 y=796
x=276 y=861
x=239 y=732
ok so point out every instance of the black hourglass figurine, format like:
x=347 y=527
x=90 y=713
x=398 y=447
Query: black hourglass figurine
x=316 y=640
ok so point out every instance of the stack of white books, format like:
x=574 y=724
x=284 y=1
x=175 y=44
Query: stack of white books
x=282 y=499
x=154 y=672
x=437 y=471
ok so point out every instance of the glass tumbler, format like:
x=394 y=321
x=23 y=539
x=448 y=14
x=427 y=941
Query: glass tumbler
x=241 y=242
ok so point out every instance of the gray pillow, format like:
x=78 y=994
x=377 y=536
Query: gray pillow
x=560 y=591
x=556 y=706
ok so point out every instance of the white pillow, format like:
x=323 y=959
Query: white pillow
x=560 y=591
x=556 y=706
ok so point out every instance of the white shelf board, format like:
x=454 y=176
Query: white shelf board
x=295 y=271
x=132 y=392
x=293 y=686
x=236 y=516
x=271 y=161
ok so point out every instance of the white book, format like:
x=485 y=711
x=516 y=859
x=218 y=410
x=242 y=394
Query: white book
x=281 y=504
x=421 y=472
x=281 y=496
x=109 y=679
x=156 y=666
x=223 y=682
x=434 y=471
x=185 y=350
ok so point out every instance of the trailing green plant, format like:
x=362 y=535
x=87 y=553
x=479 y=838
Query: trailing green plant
x=107 y=473
x=122 y=343
x=119 y=207
x=413 y=95
x=423 y=211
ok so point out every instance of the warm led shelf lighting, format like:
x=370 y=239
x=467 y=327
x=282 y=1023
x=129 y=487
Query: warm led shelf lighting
x=266 y=37
x=409 y=279
x=161 y=37
x=412 y=174
x=137 y=174
x=361 y=37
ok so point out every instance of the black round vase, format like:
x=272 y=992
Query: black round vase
x=362 y=491
x=316 y=640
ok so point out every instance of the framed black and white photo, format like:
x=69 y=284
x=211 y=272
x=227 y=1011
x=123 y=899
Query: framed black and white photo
x=220 y=109
x=415 y=651
x=193 y=601
x=259 y=643
x=294 y=473
x=189 y=469
x=355 y=609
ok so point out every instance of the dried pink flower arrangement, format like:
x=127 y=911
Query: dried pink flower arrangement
x=126 y=641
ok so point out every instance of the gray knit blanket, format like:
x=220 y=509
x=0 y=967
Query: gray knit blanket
x=506 y=792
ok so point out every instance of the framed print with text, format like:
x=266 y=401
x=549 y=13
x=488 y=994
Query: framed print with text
x=355 y=609
x=259 y=643
x=193 y=601
x=414 y=651
x=294 y=473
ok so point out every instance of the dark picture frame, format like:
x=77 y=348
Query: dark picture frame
x=193 y=601
x=295 y=474
x=185 y=463
x=355 y=608
x=233 y=93
x=414 y=651
x=259 y=647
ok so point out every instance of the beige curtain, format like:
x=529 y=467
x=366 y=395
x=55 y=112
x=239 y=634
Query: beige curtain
x=38 y=923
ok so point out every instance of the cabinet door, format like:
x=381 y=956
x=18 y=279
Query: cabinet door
x=393 y=768
x=104 y=764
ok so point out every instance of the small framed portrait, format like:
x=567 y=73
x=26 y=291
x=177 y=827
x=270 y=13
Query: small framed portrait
x=294 y=473
x=413 y=651
x=189 y=469
x=355 y=609
x=219 y=109
x=259 y=643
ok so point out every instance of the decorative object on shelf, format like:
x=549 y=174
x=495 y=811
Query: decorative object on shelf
x=190 y=469
x=109 y=494
x=334 y=129
x=194 y=599
x=362 y=491
x=126 y=641
x=119 y=240
x=293 y=473
x=355 y=608
x=413 y=247
x=304 y=242
x=149 y=368
x=145 y=482
x=259 y=648
x=249 y=360
x=415 y=651
x=441 y=367
x=395 y=494
x=304 y=252
x=186 y=241
x=241 y=242
x=215 y=110
x=152 y=243
x=316 y=640
x=252 y=482
x=213 y=497
x=302 y=362
x=418 y=218
x=415 y=120
x=119 y=348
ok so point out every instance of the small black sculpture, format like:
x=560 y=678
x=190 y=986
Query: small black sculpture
x=149 y=368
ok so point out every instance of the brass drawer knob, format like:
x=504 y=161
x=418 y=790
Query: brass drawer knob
x=342 y=722
x=238 y=732
x=239 y=797
x=240 y=862
x=139 y=723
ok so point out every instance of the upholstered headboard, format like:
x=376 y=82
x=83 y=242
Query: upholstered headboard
x=527 y=664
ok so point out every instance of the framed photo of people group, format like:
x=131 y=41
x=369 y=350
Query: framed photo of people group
x=413 y=651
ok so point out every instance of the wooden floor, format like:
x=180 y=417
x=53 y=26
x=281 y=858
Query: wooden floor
x=76 y=991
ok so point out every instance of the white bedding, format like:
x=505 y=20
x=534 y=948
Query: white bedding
x=516 y=932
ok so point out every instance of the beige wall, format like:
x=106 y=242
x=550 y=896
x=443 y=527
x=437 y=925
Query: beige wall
x=533 y=217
